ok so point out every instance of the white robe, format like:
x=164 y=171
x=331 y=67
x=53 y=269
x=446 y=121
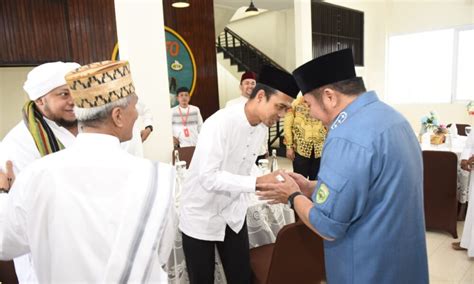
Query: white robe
x=242 y=100
x=194 y=123
x=467 y=239
x=216 y=190
x=71 y=208
x=19 y=147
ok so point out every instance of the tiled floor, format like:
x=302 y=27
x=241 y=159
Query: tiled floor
x=446 y=265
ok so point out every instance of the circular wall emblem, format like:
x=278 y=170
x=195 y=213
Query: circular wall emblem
x=180 y=62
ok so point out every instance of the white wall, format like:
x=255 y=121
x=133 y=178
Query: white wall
x=12 y=96
x=390 y=17
x=146 y=53
x=375 y=27
x=302 y=32
x=222 y=16
x=418 y=16
x=228 y=80
x=272 y=33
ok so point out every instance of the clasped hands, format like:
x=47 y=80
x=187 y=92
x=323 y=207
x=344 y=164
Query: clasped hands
x=270 y=188
x=7 y=177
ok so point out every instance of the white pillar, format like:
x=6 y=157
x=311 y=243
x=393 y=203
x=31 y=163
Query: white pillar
x=141 y=36
x=303 y=32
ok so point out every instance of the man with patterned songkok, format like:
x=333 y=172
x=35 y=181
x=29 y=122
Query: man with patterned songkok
x=93 y=212
x=48 y=125
x=214 y=198
x=304 y=139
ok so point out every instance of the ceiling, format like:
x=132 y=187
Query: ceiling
x=264 y=4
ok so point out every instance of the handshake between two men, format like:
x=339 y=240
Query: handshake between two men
x=278 y=186
x=289 y=188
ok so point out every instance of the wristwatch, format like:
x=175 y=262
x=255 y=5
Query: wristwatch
x=291 y=199
x=149 y=127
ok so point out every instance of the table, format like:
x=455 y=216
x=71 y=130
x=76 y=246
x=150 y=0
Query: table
x=456 y=146
x=264 y=221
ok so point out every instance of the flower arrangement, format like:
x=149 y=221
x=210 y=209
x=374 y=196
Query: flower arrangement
x=429 y=122
x=470 y=108
x=442 y=129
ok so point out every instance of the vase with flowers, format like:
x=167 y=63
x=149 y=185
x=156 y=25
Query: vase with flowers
x=470 y=108
x=429 y=123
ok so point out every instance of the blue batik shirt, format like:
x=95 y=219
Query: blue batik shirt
x=369 y=197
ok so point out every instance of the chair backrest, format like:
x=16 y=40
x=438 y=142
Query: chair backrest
x=185 y=154
x=298 y=256
x=461 y=128
x=7 y=272
x=439 y=188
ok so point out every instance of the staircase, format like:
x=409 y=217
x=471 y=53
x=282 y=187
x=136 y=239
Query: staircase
x=249 y=58
x=242 y=53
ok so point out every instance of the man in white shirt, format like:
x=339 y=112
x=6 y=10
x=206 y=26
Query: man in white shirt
x=214 y=197
x=248 y=80
x=467 y=163
x=48 y=125
x=186 y=120
x=92 y=212
x=247 y=84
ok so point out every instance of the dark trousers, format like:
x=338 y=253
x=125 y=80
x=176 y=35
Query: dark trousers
x=233 y=252
x=307 y=167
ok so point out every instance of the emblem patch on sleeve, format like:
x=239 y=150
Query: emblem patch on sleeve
x=322 y=194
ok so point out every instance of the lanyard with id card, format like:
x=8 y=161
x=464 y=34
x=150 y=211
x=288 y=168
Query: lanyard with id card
x=184 y=120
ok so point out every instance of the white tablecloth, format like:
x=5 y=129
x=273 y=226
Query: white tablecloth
x=456 y=146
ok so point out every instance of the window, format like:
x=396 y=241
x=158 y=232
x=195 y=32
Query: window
x=431 y=67
x=465 y=66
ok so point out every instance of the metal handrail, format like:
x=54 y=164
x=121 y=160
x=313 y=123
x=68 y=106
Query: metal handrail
x=242 y=52
x=231 y=37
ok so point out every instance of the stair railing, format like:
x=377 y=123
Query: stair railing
x=242 y=52
x=249 y=58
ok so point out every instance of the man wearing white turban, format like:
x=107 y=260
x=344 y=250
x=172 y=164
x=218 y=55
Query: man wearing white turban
x=48 y=125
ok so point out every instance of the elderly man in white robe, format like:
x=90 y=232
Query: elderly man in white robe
x=48 y=125
x=467 y=164
x=93 y=212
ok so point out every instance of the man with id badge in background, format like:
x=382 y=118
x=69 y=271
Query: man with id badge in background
x=186 y=120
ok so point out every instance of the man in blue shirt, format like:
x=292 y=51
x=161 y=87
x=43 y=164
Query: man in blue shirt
x=368 y=201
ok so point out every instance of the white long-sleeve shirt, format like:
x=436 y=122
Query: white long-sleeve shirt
x=19 y=147
x=468 y=150
x=242 y=100
x=193 y=118
x=68 y=208
x=215 y=192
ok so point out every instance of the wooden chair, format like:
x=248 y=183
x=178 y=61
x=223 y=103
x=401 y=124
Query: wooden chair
x=297 y=256
x=185 y=154
x=461 y=128
x=7 y=272
x=439 y=188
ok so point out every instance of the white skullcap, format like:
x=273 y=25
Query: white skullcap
x=46 y=77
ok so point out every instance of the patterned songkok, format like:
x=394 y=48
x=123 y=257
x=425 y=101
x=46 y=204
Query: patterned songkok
x=100 y=83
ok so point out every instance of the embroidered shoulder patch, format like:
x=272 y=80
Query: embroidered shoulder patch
x=322 y=194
